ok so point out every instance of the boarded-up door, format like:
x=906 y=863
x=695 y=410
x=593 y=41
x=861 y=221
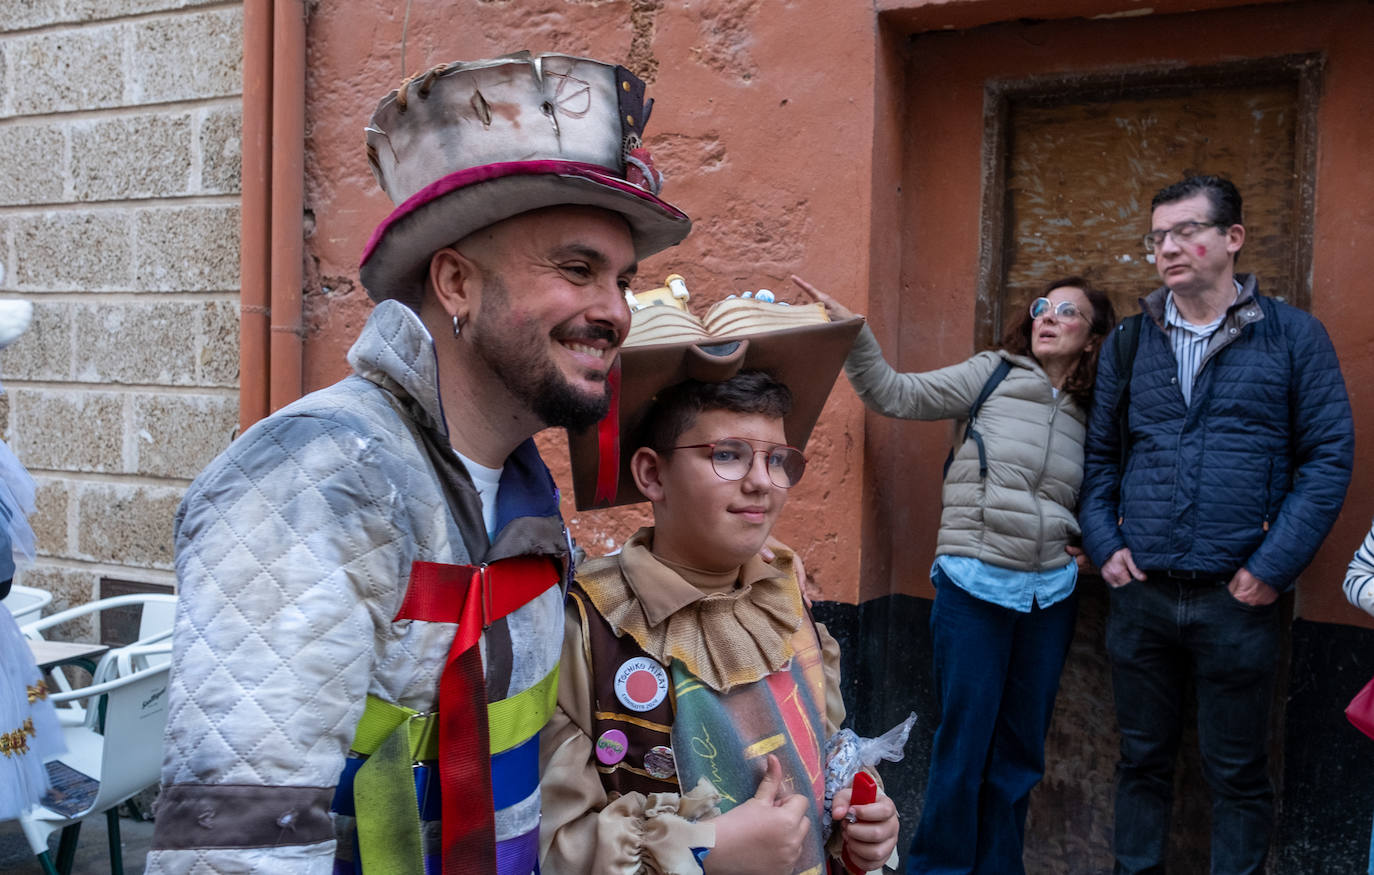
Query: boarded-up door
x=1071 y=164
x=1074 y=163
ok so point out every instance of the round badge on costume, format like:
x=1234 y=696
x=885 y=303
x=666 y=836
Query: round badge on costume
x=611 y=747
x=641 y=684
x=659 y=763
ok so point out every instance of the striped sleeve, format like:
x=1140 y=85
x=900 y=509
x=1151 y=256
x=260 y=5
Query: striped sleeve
x=1359 y=579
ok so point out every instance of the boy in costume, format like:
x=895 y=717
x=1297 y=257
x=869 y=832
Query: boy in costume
x=697 y=694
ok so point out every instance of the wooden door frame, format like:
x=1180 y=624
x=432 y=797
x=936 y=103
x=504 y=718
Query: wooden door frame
x=1135 y=82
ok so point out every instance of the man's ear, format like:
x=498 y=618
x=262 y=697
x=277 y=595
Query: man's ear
x=456 y=281
x=1235 y=238
x=646 y=466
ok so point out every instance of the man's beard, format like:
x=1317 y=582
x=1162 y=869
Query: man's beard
x=523 y=366
x=558 y=405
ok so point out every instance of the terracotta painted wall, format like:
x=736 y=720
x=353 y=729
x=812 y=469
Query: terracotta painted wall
x=762 y=126
x=799 y=139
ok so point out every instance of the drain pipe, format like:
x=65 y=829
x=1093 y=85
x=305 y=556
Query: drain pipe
x=285 y=382
x=255 y=265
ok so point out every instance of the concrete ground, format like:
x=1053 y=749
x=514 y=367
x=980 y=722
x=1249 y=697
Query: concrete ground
x=92 y=850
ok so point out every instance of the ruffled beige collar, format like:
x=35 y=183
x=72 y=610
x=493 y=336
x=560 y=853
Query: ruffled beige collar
x=728 y=630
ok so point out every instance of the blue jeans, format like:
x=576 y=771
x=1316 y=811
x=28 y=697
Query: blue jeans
x=1371 y=853
x=1160 y=632
x=997 y=671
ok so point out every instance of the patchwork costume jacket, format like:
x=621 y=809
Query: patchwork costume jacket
x=295 y=551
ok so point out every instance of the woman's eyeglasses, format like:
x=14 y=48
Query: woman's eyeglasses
x=1063 y=310
x=731 y=459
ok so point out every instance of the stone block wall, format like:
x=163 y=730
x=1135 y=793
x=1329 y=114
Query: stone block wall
x=119 y=221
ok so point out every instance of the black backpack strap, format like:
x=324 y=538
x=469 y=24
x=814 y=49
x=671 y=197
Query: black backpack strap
x=1003 y=368
x=1127 y=342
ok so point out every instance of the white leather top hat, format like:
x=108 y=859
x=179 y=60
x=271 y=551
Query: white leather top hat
x=468 y=144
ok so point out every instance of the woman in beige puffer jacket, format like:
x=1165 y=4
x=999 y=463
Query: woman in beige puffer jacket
x=1004 y=572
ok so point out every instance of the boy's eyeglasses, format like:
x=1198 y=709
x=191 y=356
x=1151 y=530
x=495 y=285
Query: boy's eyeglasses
x=731 y=459
x=1063 y=310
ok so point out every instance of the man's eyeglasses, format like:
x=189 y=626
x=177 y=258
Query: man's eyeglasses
x=731 y=459
x=1182 y=233
x=1063 y=310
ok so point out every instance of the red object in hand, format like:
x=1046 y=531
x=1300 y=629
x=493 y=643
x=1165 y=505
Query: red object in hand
x=863 y=792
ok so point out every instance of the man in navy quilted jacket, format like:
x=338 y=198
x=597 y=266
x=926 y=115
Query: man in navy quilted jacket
x=1238 y=448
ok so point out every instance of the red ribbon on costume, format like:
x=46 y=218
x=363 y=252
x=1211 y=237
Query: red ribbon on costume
x=474 y=597
x=608 y=444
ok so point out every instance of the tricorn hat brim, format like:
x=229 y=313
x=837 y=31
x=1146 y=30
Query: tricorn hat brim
x=444 y=212
x=806 y=359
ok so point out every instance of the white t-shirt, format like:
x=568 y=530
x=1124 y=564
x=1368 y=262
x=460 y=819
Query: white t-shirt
x=487 y=480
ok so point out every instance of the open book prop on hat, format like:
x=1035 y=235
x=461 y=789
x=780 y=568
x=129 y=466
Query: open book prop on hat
x=798 y=345
x=469 y=144
x=660 y=318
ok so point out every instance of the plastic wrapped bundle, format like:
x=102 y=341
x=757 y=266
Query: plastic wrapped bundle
x=846 y=753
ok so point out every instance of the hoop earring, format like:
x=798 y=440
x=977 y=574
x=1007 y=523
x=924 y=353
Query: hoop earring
x=457 y=327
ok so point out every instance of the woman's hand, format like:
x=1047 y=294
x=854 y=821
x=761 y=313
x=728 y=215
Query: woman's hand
x=869 y=840
x=838 y=312
x=765 y=834
x=1085 y=565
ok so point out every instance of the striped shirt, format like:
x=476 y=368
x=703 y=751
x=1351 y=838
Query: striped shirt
x=1189 y=342
x=1359 y=579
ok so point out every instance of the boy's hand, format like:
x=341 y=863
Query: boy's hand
x=871 y=838
x=765 y=834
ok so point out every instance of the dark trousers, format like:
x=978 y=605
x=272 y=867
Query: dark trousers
x=1160 y=632
x=997 y=671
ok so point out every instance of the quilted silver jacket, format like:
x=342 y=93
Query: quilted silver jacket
x=294 y=549
x=1022 y=514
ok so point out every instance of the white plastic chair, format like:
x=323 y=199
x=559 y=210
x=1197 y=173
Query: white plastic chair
x=154 y=626
x=121 y=760
x=26 y=603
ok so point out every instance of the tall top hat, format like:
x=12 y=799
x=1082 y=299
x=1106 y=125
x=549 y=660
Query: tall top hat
x=468 y=144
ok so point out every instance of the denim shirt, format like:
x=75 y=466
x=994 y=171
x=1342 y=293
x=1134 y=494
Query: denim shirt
x=1007 y=587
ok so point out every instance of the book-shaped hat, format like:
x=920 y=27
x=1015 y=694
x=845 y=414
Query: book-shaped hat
x=468 y=144
x=797 y=345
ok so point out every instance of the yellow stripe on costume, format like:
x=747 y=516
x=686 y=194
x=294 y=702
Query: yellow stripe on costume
x=764 y=746
x=637 y=721
x=380 y=719
x=515 y=720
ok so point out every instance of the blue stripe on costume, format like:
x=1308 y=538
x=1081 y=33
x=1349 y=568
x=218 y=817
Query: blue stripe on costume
x=515 y=773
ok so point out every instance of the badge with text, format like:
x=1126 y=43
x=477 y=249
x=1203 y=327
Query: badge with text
x=611 y=747
x=641 y=684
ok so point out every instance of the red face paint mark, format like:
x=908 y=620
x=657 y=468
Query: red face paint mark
x=1201 y=251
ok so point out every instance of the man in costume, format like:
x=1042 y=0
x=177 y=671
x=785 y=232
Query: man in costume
x=697 y=694
x=371 y=605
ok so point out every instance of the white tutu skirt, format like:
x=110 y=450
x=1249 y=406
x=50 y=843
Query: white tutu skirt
x=29 y=731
